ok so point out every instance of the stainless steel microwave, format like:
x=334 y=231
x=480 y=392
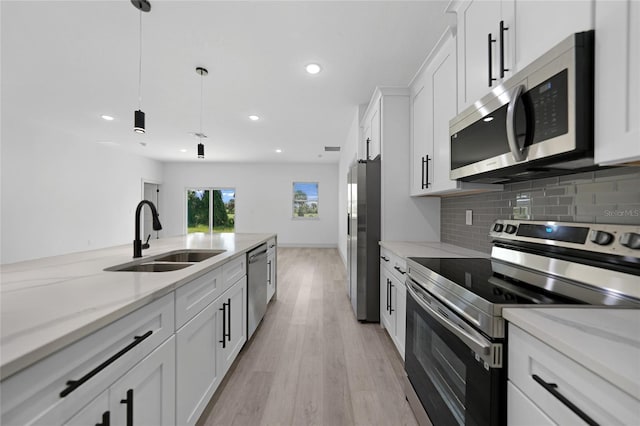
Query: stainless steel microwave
x=538 y=123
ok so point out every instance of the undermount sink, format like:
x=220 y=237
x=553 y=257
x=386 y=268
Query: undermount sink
x=171 y=261
x=188 y=255
x=151 y=267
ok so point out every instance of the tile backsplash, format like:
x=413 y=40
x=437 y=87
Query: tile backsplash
x=604 y=196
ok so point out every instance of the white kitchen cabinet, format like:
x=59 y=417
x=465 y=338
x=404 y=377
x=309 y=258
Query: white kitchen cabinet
x=545 y=376
x=272 y=269
x=433 y=104
x=145 y=395
x=207 y=345
x=617 y=85
x=370 y=144
x=520 y=30
x=522 y=411
x=393 y=297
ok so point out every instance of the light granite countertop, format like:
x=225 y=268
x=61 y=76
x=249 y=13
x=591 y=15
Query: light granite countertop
x=429 y=249
x=605 y=341
x=49 y=303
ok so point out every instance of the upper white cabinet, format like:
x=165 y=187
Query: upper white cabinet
x=497 y=38
x=617 y=91
x=433 y=104
x=370 y=144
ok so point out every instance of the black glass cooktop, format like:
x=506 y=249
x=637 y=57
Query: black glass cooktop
x=477 y=275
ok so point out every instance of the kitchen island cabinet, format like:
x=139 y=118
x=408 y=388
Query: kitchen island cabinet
x=112 y=334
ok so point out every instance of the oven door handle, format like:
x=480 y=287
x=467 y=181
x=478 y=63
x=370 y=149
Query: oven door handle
x=476 y=343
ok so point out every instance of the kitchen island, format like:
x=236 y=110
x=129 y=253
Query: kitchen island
x=49 y=303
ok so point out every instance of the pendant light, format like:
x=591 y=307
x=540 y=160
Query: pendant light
x=203 y=73
x=138 y=115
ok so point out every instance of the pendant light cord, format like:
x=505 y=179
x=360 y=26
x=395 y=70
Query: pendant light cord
x=201 y=99
x=140 y=67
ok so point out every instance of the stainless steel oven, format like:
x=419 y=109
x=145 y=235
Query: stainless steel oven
x=456 y=346
x=538 y=122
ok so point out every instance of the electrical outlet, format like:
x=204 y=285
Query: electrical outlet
x=469 y=217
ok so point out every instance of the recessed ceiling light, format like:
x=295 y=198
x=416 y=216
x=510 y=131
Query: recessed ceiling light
x=183 y=150
x=278 y=151
x=313 y=68
x=107 y=117
x=254 y=118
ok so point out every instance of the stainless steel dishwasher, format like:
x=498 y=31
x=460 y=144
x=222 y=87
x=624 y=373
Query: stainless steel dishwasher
x=257 y=288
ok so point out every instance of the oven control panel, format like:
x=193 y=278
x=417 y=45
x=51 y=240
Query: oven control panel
x=621 y=240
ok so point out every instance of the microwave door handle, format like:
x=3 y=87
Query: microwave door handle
x=516 y=151
x=471 y=341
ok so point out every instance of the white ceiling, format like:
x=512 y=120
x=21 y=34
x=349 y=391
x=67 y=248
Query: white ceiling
x=65 y=63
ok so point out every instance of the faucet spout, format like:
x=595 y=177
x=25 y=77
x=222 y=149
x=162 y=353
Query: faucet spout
x=137 y=242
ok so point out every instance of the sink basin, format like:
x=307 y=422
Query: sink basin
x=150 y=267
x=188 y=255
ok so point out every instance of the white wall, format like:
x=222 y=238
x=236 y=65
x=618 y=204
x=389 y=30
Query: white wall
x=263 y=198
x=61 y=194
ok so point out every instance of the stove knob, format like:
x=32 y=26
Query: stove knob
x=631 y=240
x=510 y=229
x=498 y=227
x=601 y=238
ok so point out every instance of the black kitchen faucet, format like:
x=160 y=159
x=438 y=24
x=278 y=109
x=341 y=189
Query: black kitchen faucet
x=137 y=243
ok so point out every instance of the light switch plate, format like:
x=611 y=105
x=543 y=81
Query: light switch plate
x=469 y=217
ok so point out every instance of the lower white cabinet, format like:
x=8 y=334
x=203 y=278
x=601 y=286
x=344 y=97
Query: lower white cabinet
x=552 y=386
x=393 y=298
x=207 y=345
x=271 y=269
x=145 y=395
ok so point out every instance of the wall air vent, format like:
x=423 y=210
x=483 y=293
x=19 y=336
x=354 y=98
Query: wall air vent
x=331 y=148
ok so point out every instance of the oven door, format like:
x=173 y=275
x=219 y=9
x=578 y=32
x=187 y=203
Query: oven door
x=456 y=372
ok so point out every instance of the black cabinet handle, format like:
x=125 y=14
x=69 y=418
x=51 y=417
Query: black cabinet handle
x=128 y=401
x=490 y=41
x=552 y=389
x=502 y=68
x=269 y=273
x=368 y=142
x=224 y=325
x=390 y=297
x=422 y=170
x=425 y=172
x=397 y=268
x=229 y=318
x=386 y=259
x=106 y=419
x=388 y=305
x=75 y=384
x=348 y=224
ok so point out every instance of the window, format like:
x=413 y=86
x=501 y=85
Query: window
x=305 y=200
x=211 y=210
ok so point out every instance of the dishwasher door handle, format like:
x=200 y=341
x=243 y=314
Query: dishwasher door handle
x=255 y=256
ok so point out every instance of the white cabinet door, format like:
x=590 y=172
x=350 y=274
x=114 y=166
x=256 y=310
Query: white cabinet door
x=235 y=334
x=400 y=311
x=95 y=413
x=540 y=25
x=386 y=314
x=421 y=140
x=145 y=396
x=197 y=364
x=521 y=411
x=617 y=91
x=476 y=20
x=371 y=131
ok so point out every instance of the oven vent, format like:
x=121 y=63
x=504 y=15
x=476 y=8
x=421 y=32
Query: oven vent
x=331 y=148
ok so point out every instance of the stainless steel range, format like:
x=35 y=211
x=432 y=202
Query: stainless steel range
x=455 y=346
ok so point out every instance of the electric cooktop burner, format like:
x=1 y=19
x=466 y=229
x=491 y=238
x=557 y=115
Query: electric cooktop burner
x=477 y=276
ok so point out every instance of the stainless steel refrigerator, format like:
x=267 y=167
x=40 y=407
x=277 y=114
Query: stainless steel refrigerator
x=363 y=235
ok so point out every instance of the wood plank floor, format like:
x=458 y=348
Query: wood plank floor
x=311 y=362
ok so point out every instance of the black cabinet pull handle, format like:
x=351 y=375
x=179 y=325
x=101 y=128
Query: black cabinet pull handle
x=224 y=325
x=386 y=259
x=368 y=142
x=128 y=401
x=269 y=273
x=388 y=305
x=552 y=389
x=490 y=41
x=75 y=384
x=106 y=419
x=422 y=170
x=425 y=162
x=502 y=68
x=397 y=268
x=229 y=318
x=390 y=297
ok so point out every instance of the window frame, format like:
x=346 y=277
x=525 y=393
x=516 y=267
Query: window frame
x=211 y=189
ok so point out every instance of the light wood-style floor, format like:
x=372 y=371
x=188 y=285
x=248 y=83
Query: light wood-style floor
x=310 y=362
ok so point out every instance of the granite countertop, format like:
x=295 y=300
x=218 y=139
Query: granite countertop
x=49 y=303
x=429 y=249
x=603 y=340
